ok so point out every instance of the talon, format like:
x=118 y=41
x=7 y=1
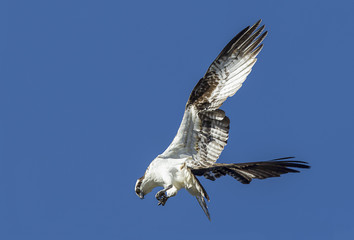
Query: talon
x=161 y=197
x=162 y=201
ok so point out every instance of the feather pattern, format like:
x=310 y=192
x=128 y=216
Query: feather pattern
x=204 y=129
x=245 y=172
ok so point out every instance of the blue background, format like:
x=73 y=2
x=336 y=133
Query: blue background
x=92 y=91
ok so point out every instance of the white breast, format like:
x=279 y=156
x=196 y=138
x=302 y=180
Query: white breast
x=169 y=171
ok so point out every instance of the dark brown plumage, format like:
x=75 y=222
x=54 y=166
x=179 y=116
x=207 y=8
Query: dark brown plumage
x=245 y=172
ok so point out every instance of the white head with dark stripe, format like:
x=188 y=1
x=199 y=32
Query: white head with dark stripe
x=138 y=187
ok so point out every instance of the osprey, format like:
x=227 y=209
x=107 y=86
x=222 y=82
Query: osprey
x=204 y=130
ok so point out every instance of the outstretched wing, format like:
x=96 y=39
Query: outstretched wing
x=245 y=172
x=229 y=70
x=204 y=129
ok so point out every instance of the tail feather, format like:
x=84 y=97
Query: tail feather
x=203 y=205
x=199 y=192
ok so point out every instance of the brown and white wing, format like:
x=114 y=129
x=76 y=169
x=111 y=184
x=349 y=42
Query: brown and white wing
x=204 y=129
x=229 y=70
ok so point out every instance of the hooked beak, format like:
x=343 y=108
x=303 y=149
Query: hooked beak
x=141 y=195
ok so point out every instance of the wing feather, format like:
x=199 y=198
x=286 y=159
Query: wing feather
x=245 y=172
x=204 y=130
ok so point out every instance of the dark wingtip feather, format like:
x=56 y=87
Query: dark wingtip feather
x=257 y=50
x=291 y=163
x=259 y=170
x=252 y=46
x=250 y=43
x=283 y=158
x=228 y=47
x=257 y=24
x=241 y=39
x=299 y=164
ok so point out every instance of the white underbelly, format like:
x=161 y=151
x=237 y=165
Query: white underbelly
x=172 y=171
x=179 y=180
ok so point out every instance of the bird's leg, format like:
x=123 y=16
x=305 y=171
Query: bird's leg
x=161 y=196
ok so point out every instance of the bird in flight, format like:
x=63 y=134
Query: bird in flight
x=204 y=130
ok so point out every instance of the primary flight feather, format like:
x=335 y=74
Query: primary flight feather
x=204 y=130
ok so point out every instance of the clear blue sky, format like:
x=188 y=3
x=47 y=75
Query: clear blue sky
x=92 y=91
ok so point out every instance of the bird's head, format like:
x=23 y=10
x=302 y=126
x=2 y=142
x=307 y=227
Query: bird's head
x=139 y=187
